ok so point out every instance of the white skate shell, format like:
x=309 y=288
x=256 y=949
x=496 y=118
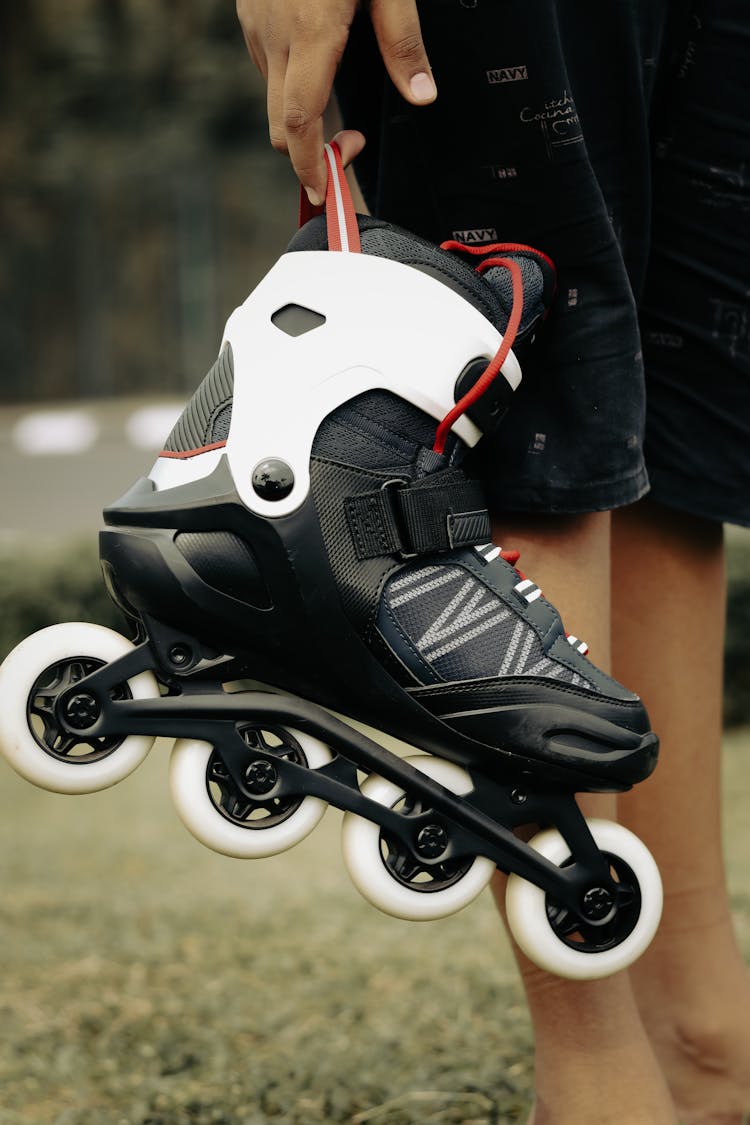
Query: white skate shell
x=387 y=326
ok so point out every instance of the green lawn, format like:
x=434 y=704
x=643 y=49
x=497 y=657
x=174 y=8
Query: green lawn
x=148 y=981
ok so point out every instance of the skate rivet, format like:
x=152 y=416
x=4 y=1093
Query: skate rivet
x=432 y=841
x=260 y=776
x=180 y=655
x=82 y=711
x=518 y=797
x=273 y=479
x=598 y=904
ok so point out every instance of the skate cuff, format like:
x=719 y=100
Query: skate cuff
x=409 y=519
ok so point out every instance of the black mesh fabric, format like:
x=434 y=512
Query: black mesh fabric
x=377 y=430
x=463 y=630
x=533 y=289
x=359 y=582
x=220 y=426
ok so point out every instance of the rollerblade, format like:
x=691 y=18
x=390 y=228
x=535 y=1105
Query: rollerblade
x=309 y=528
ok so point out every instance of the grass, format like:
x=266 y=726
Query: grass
x=148 y=981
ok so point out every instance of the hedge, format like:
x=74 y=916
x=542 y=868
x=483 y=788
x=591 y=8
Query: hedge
x=40 y=586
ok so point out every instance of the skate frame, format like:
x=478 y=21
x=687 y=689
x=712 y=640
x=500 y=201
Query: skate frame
x=480 y=823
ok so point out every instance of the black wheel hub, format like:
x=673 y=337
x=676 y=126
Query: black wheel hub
x=261 y=776
x=82 y=711
x=411 y=867
x=256 y=805
x=432 y=841
x=606 y=918
x=598 y=904
x=59 y=716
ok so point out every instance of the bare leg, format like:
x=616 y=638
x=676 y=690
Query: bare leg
x=592 y=1054
x=692 y=987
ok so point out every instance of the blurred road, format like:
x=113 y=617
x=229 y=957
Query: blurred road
x=61 y=464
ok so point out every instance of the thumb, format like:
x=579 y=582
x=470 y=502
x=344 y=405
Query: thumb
x=399 y=36
x=350 y=142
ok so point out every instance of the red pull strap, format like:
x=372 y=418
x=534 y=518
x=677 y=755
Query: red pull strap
x=341 y=218
x=493 y=247
x=492 y=370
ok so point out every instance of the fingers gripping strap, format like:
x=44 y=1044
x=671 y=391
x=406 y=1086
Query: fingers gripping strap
x=341 y=218
x=418 y=519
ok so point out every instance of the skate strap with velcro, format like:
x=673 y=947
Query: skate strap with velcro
x=438 y=513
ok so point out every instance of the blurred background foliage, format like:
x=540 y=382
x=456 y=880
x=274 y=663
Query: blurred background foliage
x=138 y=193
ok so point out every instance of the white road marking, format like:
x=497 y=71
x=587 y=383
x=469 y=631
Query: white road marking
x=45 y=432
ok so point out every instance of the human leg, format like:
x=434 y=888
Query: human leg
x=592 y=1028
x=668 y=567
x=692 y=987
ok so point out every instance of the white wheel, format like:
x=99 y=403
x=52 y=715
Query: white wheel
x=396 y=884
x=32 y=677
x=246 y=826
x=554 y=942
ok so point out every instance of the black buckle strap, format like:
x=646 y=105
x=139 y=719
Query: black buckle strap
x=438 y=513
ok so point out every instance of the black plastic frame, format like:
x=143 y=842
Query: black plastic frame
x=479 y=823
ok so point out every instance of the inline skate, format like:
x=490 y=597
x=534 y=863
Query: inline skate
x=308 y=566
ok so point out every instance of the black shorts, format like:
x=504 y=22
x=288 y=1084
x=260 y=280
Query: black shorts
x=614 y=137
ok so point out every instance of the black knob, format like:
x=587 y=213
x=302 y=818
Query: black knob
x=273 y=479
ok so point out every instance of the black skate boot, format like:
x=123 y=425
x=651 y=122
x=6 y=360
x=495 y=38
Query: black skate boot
x=310 y=527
